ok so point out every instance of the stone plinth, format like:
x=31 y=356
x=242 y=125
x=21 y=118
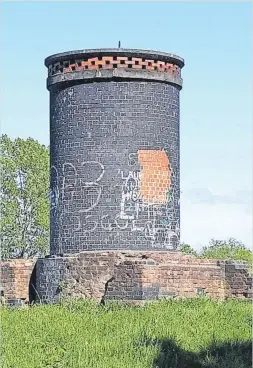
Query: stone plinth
x=136 y=276
x=129 y=276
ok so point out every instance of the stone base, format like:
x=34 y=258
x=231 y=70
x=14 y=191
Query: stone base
x=137 y=276
x=131 y=276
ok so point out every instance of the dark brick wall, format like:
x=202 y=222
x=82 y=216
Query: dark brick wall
x=114 y=166
x=238 y=280
x=135 y=276
x=50 y=276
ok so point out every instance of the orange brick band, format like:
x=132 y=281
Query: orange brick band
x=111 y=62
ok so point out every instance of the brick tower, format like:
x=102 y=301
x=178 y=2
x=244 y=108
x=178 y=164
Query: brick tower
x=114 y=148
x=115 y=219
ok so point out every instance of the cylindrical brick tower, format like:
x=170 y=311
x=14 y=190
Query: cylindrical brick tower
x=114 y=148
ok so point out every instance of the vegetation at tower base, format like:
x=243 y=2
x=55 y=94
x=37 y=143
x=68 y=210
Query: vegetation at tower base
x=199 y=333
x=24 y=198
x=230 y=250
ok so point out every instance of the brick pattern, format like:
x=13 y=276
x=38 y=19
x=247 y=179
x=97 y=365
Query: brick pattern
x=111 y=62
x=15 y=278
x=238 y=281
x=8 y=279
x=154 y=176
x=104 y=139
x=130 y=276
x=136 y=276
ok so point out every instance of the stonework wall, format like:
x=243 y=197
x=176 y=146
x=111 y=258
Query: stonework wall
x=129 y=276
x=15 y=279
x=238 y=280
x=137 y=276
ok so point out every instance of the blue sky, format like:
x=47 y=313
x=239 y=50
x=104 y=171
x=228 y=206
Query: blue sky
x=215 y=39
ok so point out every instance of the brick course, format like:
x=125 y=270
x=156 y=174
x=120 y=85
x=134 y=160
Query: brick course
x=110 y=62
x=134 y=276
x=115 y=187
x=15 y=278
x=114 y=147
x=130 y=276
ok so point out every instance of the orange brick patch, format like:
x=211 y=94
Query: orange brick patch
x=154 y=176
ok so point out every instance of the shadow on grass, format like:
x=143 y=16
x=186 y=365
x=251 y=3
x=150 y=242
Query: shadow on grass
x=224 y=355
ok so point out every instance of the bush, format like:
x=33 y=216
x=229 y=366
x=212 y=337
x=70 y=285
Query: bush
x=230 y=249
x=187 y=249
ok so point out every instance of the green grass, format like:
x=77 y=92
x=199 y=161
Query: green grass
x=172 y=334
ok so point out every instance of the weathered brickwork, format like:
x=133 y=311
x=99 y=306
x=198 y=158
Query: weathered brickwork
x=15 y=279
x=115 y=188
x=238 y=280
x=128 y=276
x=114 y=161
x=133 y=276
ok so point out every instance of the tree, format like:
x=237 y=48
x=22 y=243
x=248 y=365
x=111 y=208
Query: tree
x=230 y=249
x=24 y=198
x=187 y=249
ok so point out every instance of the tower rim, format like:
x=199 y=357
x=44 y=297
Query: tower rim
x=138 y=53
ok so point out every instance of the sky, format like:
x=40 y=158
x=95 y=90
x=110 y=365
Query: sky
x=215 y=39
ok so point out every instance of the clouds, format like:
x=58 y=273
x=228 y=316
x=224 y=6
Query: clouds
x=206 y=215
x=205 y=196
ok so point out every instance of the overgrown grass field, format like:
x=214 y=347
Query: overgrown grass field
x=173 y=334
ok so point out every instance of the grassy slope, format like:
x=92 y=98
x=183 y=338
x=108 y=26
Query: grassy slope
x=189 y=333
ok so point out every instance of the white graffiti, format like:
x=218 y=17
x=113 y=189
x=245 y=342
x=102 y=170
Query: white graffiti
x=130 y=192
x=120 y=226
x=94 y=222
x=93 y=184
x=64 y=180
x=54 y=198
x=132 y=159
x=155 y=221
x=54 y=192
x=159 y=235
x=96 y=201
x=106 y=224
x=70 y=182
x=100 y=176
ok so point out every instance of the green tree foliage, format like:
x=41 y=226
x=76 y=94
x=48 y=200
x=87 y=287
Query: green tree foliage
x=230 y=249
x=24 y=198
x=187 y=249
